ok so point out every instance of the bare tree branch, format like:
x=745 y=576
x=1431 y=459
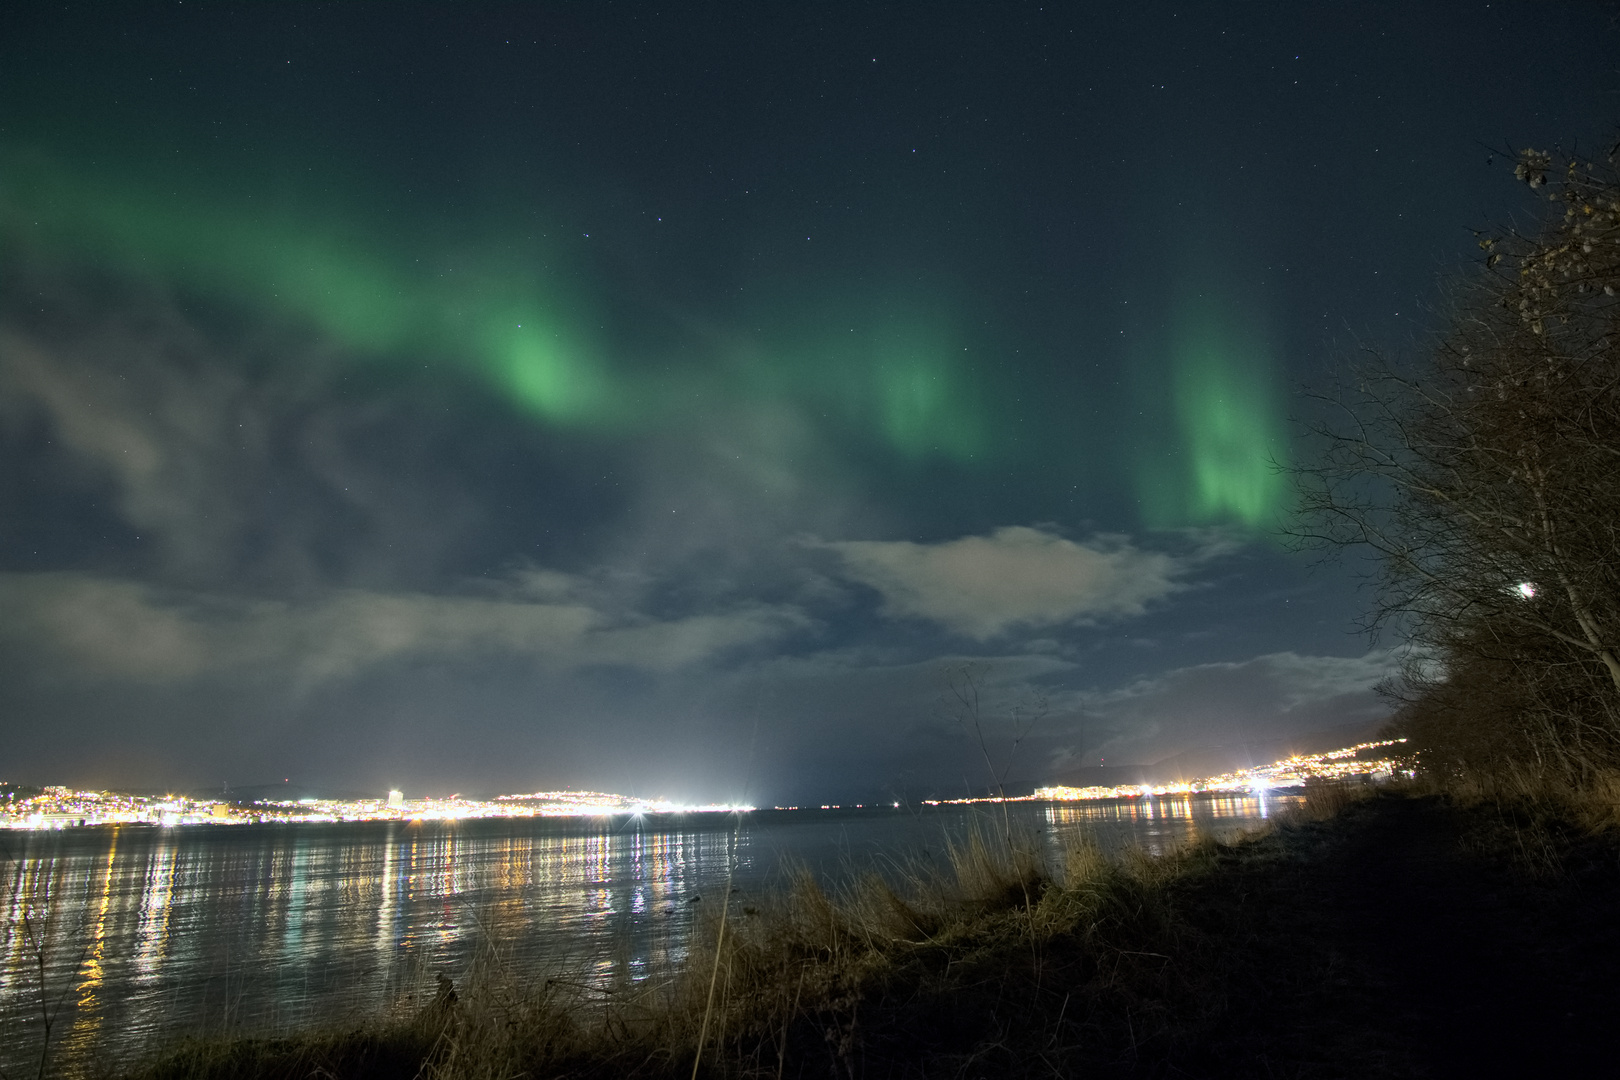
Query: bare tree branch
x=1485 y=480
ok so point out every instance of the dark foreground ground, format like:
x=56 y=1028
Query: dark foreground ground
x=1410 y=938
x=1404 y=936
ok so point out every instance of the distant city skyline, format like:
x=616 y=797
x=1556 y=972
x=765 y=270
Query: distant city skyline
x=58 y=807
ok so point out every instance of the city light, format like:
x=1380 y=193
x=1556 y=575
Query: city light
x=62 y=807
x=1342 y=764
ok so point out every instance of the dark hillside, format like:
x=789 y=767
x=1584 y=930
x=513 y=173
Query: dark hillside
x=1411 y=938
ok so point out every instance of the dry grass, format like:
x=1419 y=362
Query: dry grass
x=1593 y=803
x=1540 y=821
x=1326 y=799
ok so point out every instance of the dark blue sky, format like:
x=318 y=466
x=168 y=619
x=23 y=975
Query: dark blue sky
x=498 y=397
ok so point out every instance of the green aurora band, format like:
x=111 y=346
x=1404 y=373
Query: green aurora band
x=517 y=315
x=505 y=314
x=381 y=303
x=1221 y=462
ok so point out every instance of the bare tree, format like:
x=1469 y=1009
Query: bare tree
x=1487 y=480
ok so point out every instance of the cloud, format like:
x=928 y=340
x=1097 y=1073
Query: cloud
x=178 y=438
x=981 y=586
x=233 y=459
x=1289 y=679
x=127 y=630
x=86 y=414
x=114 y=627
x=1305 y=681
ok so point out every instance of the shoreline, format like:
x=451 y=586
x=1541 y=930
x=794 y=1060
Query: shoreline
x=1370 y=933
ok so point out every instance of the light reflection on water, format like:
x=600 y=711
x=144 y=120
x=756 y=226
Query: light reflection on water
x=149 y=932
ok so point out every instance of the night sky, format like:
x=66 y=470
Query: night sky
x=661 y=398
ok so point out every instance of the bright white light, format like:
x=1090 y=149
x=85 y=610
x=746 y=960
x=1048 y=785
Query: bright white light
x=1527 y=589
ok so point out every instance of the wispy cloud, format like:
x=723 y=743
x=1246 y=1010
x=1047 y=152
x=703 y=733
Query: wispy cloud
x=176 y=439
x=133 y=631
x=229 y=464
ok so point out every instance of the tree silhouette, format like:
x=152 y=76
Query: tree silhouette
x=1487 y=482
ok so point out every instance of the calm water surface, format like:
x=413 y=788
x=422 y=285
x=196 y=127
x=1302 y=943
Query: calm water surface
x=147 y=932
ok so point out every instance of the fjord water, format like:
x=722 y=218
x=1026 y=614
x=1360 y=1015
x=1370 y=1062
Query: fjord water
x=146 y=933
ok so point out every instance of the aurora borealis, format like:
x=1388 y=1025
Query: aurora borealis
x=511 y=315
x=494 y=397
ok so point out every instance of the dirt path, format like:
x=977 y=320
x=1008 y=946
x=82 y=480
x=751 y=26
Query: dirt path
x=1385 y=943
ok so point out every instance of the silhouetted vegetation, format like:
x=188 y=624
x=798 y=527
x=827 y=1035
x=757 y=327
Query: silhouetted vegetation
x=1487 y=482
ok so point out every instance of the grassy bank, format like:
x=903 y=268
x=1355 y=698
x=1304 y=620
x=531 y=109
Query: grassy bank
x=1000 y=965
x=1258 y=957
